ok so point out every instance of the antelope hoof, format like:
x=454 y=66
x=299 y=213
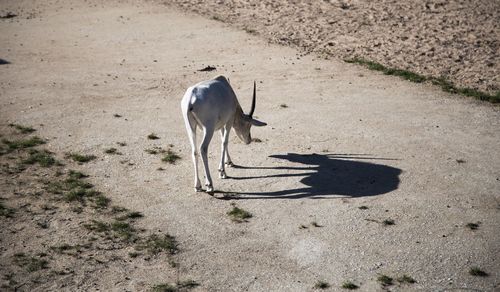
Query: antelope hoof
x=198 y=189
x=230 y=164
x=210 y=189
x=222 y=174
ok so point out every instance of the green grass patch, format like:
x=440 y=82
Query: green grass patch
x=43 y=157
x=101 y=201
x=155 y=244
x=23 y=143
x=22 y=129
x=123 y=230
x=321 y=285
x=445 y=85
x=170 y=157
x=385 y=280
x=239 y=215
x=80 y=158
x=349 y=285
x=475 y=271
x=79 y=194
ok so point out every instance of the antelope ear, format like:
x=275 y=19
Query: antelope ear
x=257 y=123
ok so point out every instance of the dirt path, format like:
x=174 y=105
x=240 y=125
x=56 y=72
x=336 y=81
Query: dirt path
x=339 y=138
x=455 y=40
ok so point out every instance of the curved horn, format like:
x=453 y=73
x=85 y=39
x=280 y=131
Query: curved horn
x=252 y=109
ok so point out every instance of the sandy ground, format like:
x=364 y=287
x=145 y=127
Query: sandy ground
x=456 y=40
x=339 y=137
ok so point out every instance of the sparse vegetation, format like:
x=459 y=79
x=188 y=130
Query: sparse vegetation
x=118 y=229
x=388 y=222
x=415 y=77
x=315 y=224
x=155 y=244
x=130 y=215
x=101 y=201
x=122 y=144
x=406 y=279
x=6 y=211
x=153 y=136
x=321 y=285
x=473 y=226
x=30 y=263
x=23 y=143
x=43 y=157
x=80 y=158
x=180 y=286
x=155 y=150
x=349 y=285
x=170 y=157
x=111 y=150
x=283 y=105
x=239 y=215
x=385 y=280
x=363 y=207
x=475 y=271
x=23 y=129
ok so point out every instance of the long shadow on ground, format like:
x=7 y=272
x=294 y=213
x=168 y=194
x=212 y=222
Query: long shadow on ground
x=327 y=175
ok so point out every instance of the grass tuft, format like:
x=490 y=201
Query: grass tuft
x=6 y=211
x=112 y=150
x=31 y=264
x=239 y=215
x=23 y=129
x=80 y=158
x=170 y=157
x=23 y=143
x=349 y=285
x=475 y=271
x=388 y=222
x=44 y=158
x=321 y=285
x=385 y=280
x=153 y=136
x=156 y=244
x=101 y=201
x=406 y=279
x=123 y=230
x=473 y=226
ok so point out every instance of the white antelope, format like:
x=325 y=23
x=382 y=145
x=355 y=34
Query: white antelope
x=213 y=105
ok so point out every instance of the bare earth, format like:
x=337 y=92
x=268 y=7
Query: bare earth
x=453 y=39
x=339 y=137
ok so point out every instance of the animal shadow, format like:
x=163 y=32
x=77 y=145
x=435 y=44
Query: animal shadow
x=328 y=175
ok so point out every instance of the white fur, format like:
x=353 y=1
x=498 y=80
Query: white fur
x=212 y=105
